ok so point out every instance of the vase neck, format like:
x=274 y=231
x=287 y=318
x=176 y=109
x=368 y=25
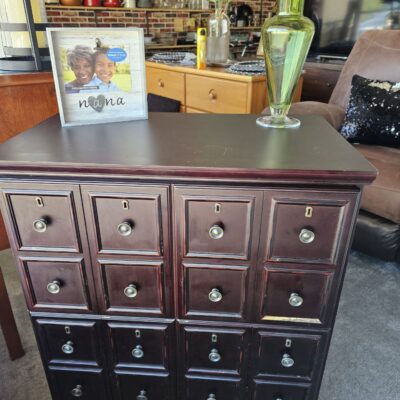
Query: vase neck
x=291 y=7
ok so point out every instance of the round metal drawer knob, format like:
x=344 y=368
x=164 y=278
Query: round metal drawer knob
x=306 y=236
x=68 y=348
x=131 y=291
x=287 y=361
x=215 y=295
x=214 y=356
x=142 y=395
x=212 y=396
x=124 y=228
x=54 y=287
x=295 y=300
x=138 y=352
x=216 y=232
x=40 y=225
x=77 y=391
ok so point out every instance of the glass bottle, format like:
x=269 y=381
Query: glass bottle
x=286 y=39
x=218 y=37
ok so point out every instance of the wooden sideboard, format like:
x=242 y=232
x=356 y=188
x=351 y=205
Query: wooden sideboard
x=212 y=90
x=188 y=256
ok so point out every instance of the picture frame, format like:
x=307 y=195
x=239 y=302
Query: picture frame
x=99 y=74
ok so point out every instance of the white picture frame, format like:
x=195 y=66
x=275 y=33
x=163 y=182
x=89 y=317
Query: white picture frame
x=110 y=89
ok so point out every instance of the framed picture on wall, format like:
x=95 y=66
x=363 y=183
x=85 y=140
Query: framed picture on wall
x=99 y=74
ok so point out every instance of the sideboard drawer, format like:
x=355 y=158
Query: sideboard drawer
x=85 y=384
x=214 y=350
x=216 y=95
x=67 y=341
x=217 y=223
x=58 y=284
x=287 y=355
x=280 y=390
x=139 y=345
x=169 y=84
x=215 y=291
x=212 y=388
x=143 y=386
x=307 y=227
x=125 y=221
x=300 y=296
x=132 y=287
x=44 y=217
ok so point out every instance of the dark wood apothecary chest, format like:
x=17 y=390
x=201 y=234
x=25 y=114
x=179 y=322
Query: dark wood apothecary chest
x=186 y=257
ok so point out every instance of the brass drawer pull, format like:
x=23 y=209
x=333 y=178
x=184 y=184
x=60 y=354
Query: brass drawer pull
x=68 y=348
x=295 y=300
x=131 y=291
x=306 y=236
x=216 y=232
x=161 y=83
x=77 y=391
x=142 y=395
x=40 y=225
x=125 y=228
x=214 y=356
x=54 y=287
x=138 y=352
x=212 y=94
x=287 y=361
x=215 y=295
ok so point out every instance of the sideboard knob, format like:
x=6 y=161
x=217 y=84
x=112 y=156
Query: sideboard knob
x=212 y=396
x=295 y=300
x=215 y=295
x=214 y=356
x=306 y=236
x=124 y=228
x=216 y=232
x=287 y=361
x=138 y=352
x=142 y=395
x=54 y=287
x=67 y=348
x=77 y=391
x=131 y=291
x=40 y=225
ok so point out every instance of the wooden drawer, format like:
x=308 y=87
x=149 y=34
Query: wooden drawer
x=71 y=383
x=212 y=388
x=125 y=220
x=307 y=227
x=132 y=287
x=44 y=217
x=57 y=284
x=166 y=83
x=69 y=342
x=144 y=346
x=280 y=391
x=286 y=355
x=216 y=95
x=143 y=386
x=297 y=295
x=214 y=350
x=212 y=291
x=217 y=223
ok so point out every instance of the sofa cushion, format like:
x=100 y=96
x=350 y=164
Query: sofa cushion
x=382 y=197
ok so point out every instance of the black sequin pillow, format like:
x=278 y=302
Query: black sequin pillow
x=373 y=114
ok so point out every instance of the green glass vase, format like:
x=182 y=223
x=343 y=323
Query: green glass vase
x=286 y=39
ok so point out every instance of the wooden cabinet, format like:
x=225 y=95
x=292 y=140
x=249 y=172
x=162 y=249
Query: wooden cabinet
x=201 y=267
x=210 y=91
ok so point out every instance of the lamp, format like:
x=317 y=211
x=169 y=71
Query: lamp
x=23 y=42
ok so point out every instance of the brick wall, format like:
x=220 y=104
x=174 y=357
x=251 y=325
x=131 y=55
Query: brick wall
x=158 y=23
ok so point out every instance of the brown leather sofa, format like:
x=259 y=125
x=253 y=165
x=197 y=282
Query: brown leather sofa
x=376 y=55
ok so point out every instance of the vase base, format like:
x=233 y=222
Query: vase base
x=270 y=122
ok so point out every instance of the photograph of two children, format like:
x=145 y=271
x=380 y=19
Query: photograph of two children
x=99 y=74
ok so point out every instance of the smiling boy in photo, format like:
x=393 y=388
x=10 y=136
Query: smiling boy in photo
x=104 y=69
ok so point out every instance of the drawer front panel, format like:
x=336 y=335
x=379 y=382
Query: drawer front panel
x=307 y=229
x=142 y=386
x=286 y=355
x=65 y=341
x=214 y=291
x=87 y=384
x=131 y=287
x=44 y=219
x=126 y=221
x=277 y=390
x=300 y=296
x=140 y=345
x=166 y=83
x=217 y=351
x=212 y=388
x=217 y=223
x=57 y=284
x=216 y=95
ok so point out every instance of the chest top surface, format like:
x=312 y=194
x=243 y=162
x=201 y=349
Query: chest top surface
x=185 y=145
